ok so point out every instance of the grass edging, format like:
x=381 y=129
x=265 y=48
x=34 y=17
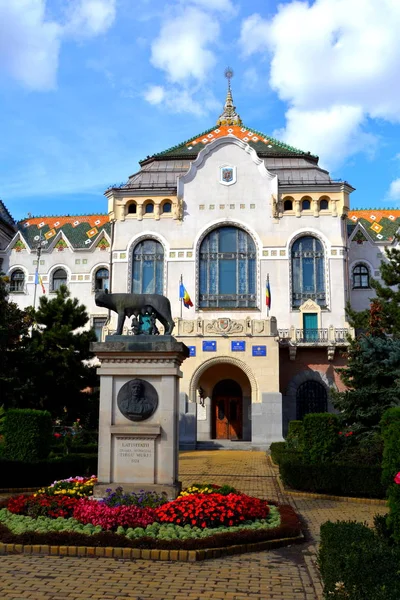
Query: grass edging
x=112 y=545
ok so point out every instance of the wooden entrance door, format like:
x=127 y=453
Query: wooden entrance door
x=228 y=411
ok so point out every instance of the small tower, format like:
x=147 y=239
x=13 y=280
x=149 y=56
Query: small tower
x=229 y=115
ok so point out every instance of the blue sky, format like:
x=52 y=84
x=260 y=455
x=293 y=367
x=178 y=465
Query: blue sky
x=90 y=87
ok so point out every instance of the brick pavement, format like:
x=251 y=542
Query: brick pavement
x=285 y=574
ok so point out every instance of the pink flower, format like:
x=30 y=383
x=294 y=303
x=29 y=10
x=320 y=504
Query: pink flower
x=397 y=479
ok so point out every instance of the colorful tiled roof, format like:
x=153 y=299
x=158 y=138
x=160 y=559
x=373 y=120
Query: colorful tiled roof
x=80 y=230
x=381 y=224
x=5 y=216
x=264 y=145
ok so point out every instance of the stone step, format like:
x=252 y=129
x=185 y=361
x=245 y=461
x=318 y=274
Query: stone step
x=224 y=445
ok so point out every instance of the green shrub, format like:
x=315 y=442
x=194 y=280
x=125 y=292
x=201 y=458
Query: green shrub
x=321 y=437
x=390 y=425
x=276 y=449
x=295 y=437
x=27 y=434
x=361 y=452
x=18 y=474
x=75 y=449
x=357 y=564
x=362 y=481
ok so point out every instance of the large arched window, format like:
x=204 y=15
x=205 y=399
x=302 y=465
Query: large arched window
x=101 y=279
x=148 y=268
x=59 y=278
x=17 y=281
x=308 y=278
x=227 y=269
x=360 y=277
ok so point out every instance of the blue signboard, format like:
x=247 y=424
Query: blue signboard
x=259 y=351
x=238 y=346
x=192 y=350
x=210 y=346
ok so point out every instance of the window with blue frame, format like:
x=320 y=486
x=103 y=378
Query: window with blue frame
x=308 y=271
x=148 y=268
x=227 y=267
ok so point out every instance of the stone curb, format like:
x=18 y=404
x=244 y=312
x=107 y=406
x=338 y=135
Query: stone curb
x=137 y=553
x=284 y=490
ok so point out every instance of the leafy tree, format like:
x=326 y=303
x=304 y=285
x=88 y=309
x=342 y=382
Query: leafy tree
x=14 y=328
x=57 y=371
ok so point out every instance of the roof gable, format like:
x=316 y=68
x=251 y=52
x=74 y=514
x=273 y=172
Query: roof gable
x=79 y=230
x=380 y=224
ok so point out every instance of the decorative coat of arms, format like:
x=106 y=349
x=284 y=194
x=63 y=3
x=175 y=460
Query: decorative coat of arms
x=227 y=175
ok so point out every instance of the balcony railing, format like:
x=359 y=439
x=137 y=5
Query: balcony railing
x=322 y=337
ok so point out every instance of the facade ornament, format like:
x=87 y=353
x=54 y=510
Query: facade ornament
x=229 y=115
x=275 y=207
x=292 y=352
x=177 y=209
x=331 y=352
x=224 y=326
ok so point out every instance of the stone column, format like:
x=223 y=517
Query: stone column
x=139 y=413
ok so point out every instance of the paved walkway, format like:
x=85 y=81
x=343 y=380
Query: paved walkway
x=286 y=574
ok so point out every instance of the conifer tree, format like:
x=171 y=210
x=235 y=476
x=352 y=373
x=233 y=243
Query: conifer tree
x=388 y=292
x=14 y=328
x=57 y=368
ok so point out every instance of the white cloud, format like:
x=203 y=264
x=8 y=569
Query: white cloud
x=181 y=49
x=336 y=61
x=30 y=41
x=87 y=18
x=29 y=44
x=214 y=5
x=177 y=99
x=394 y=190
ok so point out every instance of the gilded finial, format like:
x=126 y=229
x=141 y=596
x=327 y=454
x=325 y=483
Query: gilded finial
x=229 y=115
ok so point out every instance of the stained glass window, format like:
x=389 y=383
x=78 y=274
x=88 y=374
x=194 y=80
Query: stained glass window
x=148 y=268
x=227 y=269
x=308 y=271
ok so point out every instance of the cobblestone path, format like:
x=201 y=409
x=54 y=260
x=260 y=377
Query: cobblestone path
x=286 y=574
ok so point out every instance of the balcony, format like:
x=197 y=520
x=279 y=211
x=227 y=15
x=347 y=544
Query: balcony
x=329 y=337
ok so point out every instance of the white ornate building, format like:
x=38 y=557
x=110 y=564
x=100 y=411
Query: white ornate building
x=224 y=211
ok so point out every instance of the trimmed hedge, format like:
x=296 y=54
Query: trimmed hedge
x=321 y=437
x=356 y=564
x=295 y=437
x=19 y=474
x=277 y=449
x=27 y=434
x=332 y=478
x=390 y=424
x=76 y=449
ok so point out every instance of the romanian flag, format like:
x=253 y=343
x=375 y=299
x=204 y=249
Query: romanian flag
x=38 y=280
x=184 y=296
x=267 y=294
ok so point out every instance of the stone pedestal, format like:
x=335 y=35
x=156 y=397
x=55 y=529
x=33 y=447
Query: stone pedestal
x=139 y=413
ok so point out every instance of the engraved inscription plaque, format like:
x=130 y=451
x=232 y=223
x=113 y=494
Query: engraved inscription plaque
x=133 y=459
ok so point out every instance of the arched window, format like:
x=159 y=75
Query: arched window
x=360 y=277
x=227 y=269
x=101 y=279
x=149 y=208
x=306 y=205
x=59 y=278
x=288 y=205
x=311 y=397
x=323 y=204
x=308 y=277
x=148 y=268
x=167 y=207
x=132 y=208
x=17 y=281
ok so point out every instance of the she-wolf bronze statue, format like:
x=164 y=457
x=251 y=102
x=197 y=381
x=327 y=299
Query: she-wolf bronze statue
x=129 y=305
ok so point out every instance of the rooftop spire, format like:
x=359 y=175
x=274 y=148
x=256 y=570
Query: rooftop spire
x=229 y=115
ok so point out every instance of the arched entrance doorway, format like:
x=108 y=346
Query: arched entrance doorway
x=227 y=410
x=311 y=397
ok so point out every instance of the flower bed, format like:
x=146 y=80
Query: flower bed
x=202 y=517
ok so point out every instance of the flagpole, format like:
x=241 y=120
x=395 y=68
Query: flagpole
x=180 y=296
